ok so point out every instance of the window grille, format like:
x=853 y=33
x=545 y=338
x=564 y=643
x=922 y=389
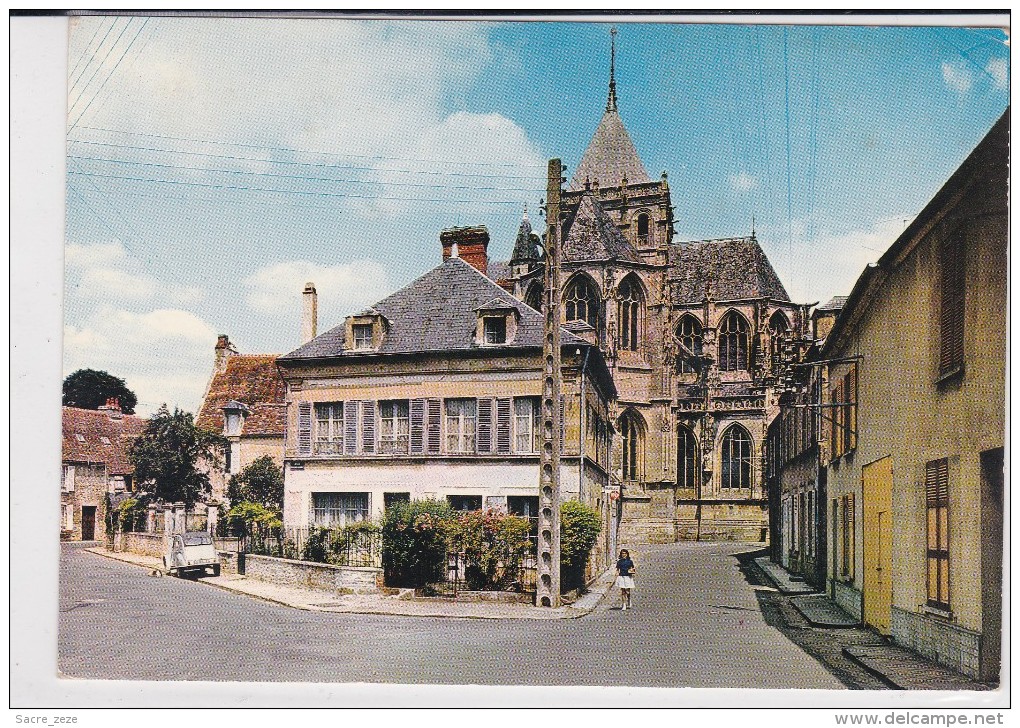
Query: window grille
x=936 y=486
x=736 y=468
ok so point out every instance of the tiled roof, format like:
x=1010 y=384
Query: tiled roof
x=93 y=426
x=590 y=234
x=437 y=313
x=251 y=379
x=610 y=157
x=727 y=269
x=835 y=303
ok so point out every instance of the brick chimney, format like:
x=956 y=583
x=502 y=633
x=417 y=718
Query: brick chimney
x=309 y=313
x=112 y=408
x=472 y=245
x=224 y=350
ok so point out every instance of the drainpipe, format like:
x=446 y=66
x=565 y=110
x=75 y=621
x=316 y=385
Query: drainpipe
x=582 y=422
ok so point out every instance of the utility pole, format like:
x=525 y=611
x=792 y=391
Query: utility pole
x=548 y=588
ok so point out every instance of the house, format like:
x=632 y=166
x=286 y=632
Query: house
x=696 y=336
x=94 y=460
x=795 y=475
x=433 y=392
x=244 y=402
x=914 y=445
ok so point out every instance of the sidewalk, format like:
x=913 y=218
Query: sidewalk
x=897 y=667
x=320 y=601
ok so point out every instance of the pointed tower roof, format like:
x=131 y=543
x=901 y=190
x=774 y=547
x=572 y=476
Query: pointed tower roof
x=592 y=235
x=611 y=154
x=526 y=246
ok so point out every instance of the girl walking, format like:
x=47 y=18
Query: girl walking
x=625 y=578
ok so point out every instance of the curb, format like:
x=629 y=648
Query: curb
x=873 y=671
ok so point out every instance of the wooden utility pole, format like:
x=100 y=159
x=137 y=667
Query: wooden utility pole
x=548 y=587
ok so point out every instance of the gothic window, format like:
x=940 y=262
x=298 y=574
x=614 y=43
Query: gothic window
x=733 y=336
x=631 y=304
x=779 y=330
x=642 y=227
x=687 y=458
x=631 y=427
x=581 y=302
x=736 y=464
x=688 y=333
x=533 y=297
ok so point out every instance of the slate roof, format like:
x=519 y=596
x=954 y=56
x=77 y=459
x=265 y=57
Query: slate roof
x=610 y=156
x=590 y=234
x=252 y=380
x=836 y=303
x=437 y=313
x=498 y=270
x=93 y=425
x=728 y=269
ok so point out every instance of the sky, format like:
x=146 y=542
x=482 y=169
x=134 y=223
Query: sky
x=214 y=165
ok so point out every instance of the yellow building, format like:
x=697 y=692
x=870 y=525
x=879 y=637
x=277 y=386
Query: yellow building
x=914 y=421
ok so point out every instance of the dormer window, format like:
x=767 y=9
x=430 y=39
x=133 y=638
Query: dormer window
x=79 y=437
x=362 y=336
x=497 y=323
x=495 y=329
x=233 y=418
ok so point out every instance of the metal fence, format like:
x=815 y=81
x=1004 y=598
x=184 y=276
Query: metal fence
x=336 y=546
x=512 y=574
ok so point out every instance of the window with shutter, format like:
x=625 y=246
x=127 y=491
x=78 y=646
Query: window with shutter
x=525 y=424
x=483 y=437
x=329 y=430
x=952 y=301
x=850 y=394
x=351 y=428
x=434 y=413
x=460 y=425
x=417 y=426
x=504 y=424
x=936 y=486
x=305 y=428
x=394 y=427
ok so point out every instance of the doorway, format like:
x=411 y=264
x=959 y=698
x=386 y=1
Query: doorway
x=991 y=563
x=88 y=523
x=877 y=487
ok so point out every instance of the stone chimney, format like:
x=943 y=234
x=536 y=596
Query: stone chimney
x=224 y=350
x=309 y=313
x=112 y=408
x=472 y=245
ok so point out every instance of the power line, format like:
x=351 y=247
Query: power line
x=92 y=57
x=306 y=151
x=300 y=176
x=85 y=50
x=789 y=185
x=110 y=75
x=109 y=50
x=322 y=165
x=289 y=192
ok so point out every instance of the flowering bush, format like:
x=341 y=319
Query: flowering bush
x=494 y=545
x=414 y=537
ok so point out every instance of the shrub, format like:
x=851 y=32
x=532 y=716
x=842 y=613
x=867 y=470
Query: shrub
x=336 y=545
x=130 y=514
x=579 y=529
x=414 y=536
x=494 y=546
x=256 y=522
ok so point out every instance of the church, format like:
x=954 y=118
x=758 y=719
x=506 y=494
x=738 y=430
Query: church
x=697 y=336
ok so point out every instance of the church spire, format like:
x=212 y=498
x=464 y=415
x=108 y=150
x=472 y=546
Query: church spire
x=611 y=103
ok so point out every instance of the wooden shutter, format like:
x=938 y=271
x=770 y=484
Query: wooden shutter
x=504 y=424
x=351 y=427
x=952 y=300
x=851 y=395
x=483 y=426
x=434 y=412
x=368 y=425
x=305 y=428
x=417 y=418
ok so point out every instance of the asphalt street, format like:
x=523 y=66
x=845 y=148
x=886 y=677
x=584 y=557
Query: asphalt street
x=696 y=622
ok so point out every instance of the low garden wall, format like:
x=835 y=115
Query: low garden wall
x=311 y=575
x=146 y=544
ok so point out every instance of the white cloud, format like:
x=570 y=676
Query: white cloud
x=105 y=271
x=743 y=182
x=957 y=76
x=342 y=289
x=164 y=355
x=998 y=70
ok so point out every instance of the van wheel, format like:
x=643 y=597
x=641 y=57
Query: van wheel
x=216 y=570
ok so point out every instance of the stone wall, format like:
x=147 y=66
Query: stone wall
x=847 y=597
x=947 y=644
x=310 y=575
x=146 y=544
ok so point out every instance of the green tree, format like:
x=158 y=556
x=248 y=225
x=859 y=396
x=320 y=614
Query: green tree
x=90 y=388
x=414 y=537
x=579 y=529
x=259 y=482
x=166 y=454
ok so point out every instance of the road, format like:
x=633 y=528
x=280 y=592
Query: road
x=696 y=622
